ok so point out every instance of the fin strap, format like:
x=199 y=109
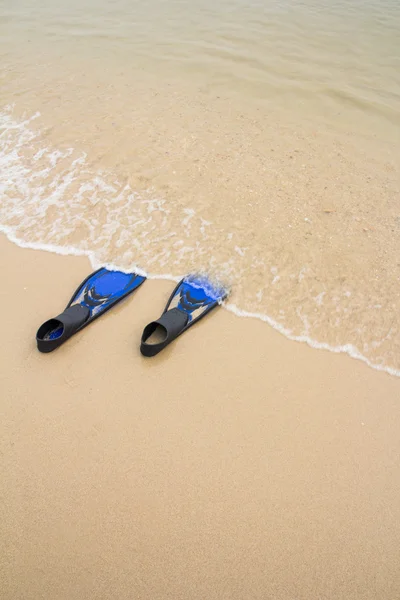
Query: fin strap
x=171 y=324
x=70 y=320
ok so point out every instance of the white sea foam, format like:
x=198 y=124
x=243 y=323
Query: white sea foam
x=346 y=348
x=41 y=210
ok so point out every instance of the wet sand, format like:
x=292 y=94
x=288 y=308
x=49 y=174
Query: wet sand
x=257 y=143
x=300 y=221
x=236 y=465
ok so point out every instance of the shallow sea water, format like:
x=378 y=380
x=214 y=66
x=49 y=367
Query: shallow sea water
x=254 y=141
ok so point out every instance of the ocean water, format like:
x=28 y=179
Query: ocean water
x=256 y=141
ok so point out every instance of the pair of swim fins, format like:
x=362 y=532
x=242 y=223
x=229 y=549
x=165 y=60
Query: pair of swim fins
x=191 y=300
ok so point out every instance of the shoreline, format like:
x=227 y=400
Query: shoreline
x=348 y=349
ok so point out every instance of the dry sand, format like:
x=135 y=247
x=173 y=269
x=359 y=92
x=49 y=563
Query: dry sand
x=235 y=465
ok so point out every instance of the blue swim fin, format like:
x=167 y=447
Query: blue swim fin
x=102 y=290
x=191 y=300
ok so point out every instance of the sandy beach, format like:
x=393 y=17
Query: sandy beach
x=235 y=465
x=255 y=143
